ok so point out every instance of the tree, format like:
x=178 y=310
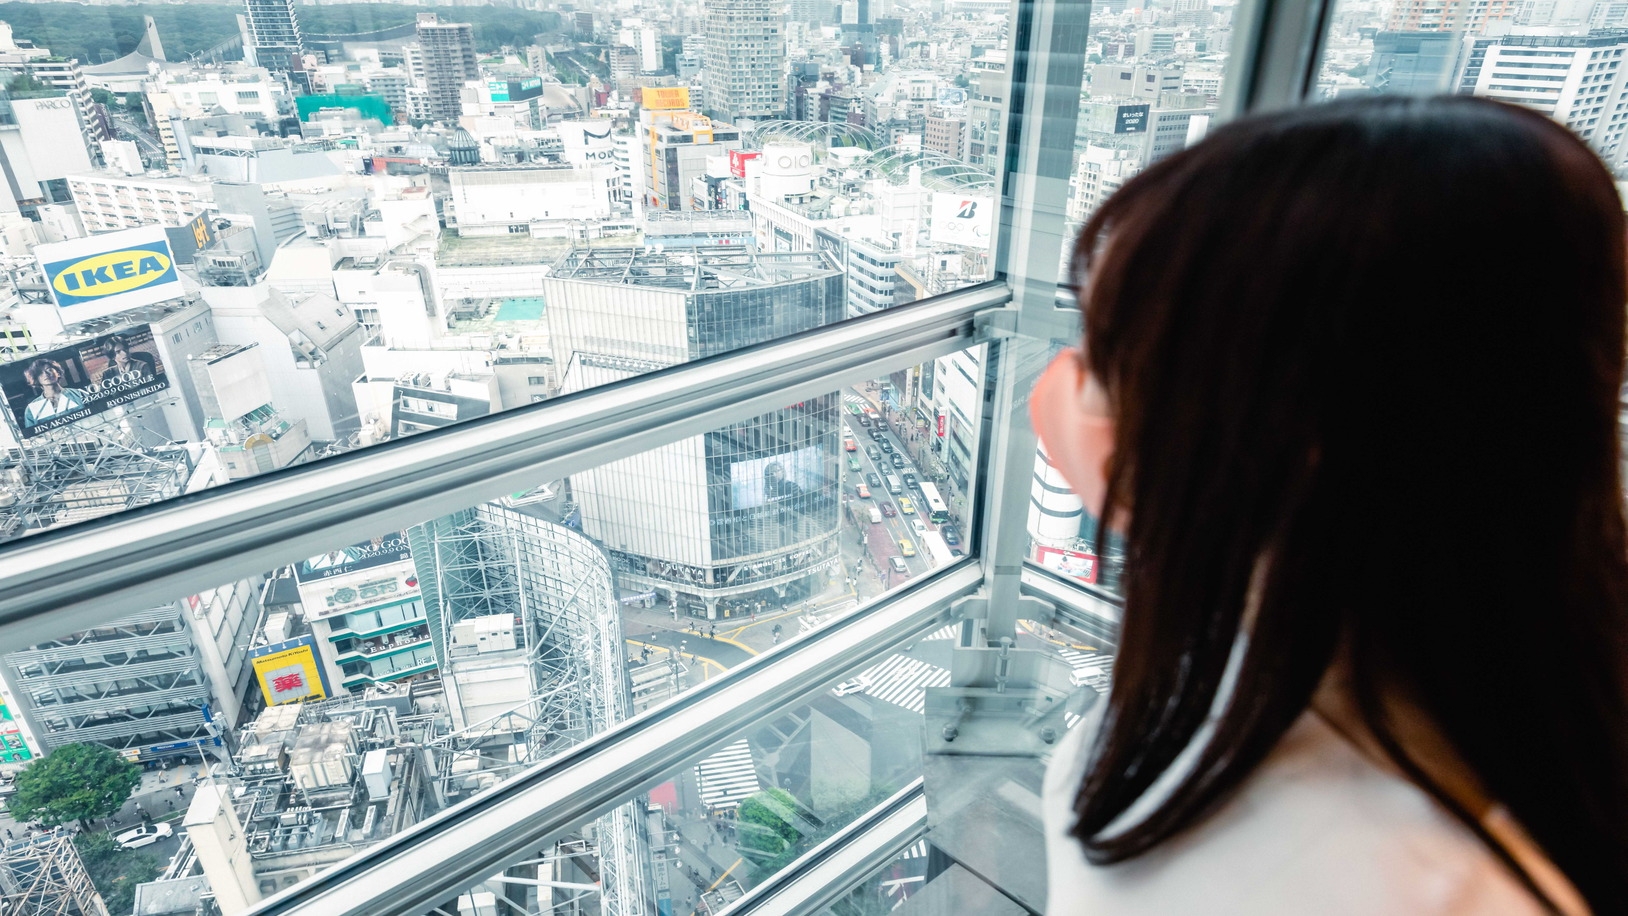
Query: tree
x=115 y=871
x=765 y=824
x=75 y=783
x=25 y=82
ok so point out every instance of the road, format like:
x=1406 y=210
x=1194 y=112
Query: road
x=882 y=540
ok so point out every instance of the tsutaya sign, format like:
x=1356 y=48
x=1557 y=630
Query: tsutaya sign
x=105 y=274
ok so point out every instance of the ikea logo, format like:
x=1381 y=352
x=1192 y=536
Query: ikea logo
x=110 y=273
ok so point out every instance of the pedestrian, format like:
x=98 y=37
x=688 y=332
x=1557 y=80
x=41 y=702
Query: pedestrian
x=8 y=833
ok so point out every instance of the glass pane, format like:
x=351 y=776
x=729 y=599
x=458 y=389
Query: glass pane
x=345 y=696
x=357 y=223
x=1152 y=86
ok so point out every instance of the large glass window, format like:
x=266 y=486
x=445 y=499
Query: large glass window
x=1565 y=60
x=342 y=697
x=238 y=250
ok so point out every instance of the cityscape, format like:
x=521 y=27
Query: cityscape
x=283 y=245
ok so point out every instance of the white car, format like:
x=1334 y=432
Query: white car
x=857 y=685
x=920 y=526
x=145 y=835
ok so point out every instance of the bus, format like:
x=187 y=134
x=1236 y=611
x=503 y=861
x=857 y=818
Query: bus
x=934 y=544
x=937 y=512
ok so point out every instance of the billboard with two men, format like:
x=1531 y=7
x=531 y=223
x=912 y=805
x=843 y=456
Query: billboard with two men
x=56 y=388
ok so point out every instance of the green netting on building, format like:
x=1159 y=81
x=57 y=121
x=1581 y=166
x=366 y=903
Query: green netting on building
x=368 y=106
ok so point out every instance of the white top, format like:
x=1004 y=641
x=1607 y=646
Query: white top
x=1317 y=828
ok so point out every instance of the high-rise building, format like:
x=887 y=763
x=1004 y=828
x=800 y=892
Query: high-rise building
x=986 y=108
x=676 y=147
x=1579 y=80
x=744 y=65
x=157 y=683
x=273 y=33
x=448 y=55
x=65 y=74
x=1469 y=16
x=717 y=522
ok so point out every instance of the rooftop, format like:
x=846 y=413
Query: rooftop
x=692 y=269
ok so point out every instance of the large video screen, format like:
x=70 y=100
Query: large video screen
x=775 y=479
x=60 y=387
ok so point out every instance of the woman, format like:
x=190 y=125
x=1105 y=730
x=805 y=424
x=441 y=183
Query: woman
x=1350 y=392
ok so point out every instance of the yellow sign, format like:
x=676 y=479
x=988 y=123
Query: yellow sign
x=112 y=272
x=665 y=98
x=290 y=675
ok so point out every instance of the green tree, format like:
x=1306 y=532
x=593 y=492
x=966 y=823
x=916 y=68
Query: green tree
x=25 y=82
x=765 y=824
x=75 y=783
x=102 y=96
x=115 y=871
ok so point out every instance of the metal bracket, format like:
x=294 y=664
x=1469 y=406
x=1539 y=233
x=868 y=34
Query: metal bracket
x=996 y=323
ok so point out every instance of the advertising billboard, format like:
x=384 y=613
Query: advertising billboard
x=57 y=388
x=665 y=98
x=962 y=219
x=369 y=588
x=588 y=141
x=390 y=548
x=1082 y=566
x=499 y=90
x=1131 y=119
x=105 y=274
x=738 y=159
x=775 y=478
x=13 y=746
x=288 y=672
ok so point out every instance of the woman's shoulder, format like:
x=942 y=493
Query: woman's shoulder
x=1317 y=827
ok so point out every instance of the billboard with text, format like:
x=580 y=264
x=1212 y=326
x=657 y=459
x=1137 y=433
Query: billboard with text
x=962 y=219
x=288 y=672
x=665 y=98
x=57 y=388
x=106 y=274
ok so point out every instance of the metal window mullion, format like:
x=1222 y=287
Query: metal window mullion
x=446 y=854
x=1276 y=50
x=85 y=574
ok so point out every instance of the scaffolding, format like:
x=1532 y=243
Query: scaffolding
x=41 y=875
x=84 y=474
x=491 y=561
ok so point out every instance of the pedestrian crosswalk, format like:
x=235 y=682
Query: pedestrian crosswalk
x=949 y=631
x=1093 y=669
x=851 y=398
x=903 y=681
x=727 y=776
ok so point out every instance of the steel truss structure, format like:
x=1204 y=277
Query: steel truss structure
x=41 y=875
x=558 y=584
x=57 y=480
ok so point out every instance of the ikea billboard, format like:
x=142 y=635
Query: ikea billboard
x=106 y=274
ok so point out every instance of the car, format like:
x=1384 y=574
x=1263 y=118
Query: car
x=855 y=685
x=888 y=510
x=145 y=835
x=874 y=451
x=951 y=536
x=873 y=480
x=853 y=463
x=864 y=421
x=920 y=526
x=910 y=481
x=849 y=445
x=887 y=446
x=863 y=491
x=906 y=547
x=898 y=460
x=897 y=564
x=906 y=506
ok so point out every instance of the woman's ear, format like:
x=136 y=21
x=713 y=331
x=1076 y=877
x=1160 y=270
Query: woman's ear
x=1070 y=413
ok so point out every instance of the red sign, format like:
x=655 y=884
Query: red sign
x=283 y=683
x=941 y=426
x=738 y=160
x=1082 y=566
